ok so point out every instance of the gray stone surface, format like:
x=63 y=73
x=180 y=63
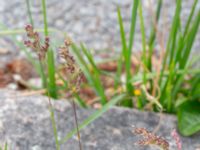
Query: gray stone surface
x=93 y=22
x=25 y=125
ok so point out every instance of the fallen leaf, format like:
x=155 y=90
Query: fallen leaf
x=108 y=66
x=21 y=67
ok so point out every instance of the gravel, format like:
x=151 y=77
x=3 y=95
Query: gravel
x=93 y=22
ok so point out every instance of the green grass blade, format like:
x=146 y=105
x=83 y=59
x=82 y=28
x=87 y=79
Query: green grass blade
x=51 y=74
x=93 y=77
x=80 y=101
x=90 y=58
x=122 y=34
x=126 y=59
x=42 y=74
x=53 y=122
x=195 y=87
x=153 y=34
x=169 y=88
x=143 y=34
x=46 y=34
x=6 y=147
x=180 y=46
x=151 y=75
x=172 y=37
x=94 y=116
x=190 y=40
x=81 y=62
x=96 y=75
x=119 y=72
x=195 y=83
x=45 y=17
x=190 y=17
x=29 y=12
x=173 y=33
x=132 y=27
x=7 y=31
x=153 y=30
x=185 y=47
x=131 y=40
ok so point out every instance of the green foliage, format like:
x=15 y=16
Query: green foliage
x=127 y=50
x=50 y=85
x=51 y=74
x=152 y=38
x=166 y=88
x=179 y=47
x=90 y=70
x=188 y=118
x=175 y=66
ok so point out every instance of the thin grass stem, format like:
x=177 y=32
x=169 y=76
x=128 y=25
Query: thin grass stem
x=45 y=17
x=76 y=123
x=52 y=116
x=29 y=12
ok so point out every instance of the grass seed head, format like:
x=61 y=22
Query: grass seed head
x=35 y=41
x=151 y=139
x=73 y=73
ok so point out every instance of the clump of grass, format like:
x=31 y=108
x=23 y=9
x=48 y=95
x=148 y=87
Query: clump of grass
x=127 y=50
x=49 y=79
x=72 y=80
x=164 y=86
x=161 y=87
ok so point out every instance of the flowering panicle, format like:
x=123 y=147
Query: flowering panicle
x=35 y=42
x=72 y=71
x=151 y=139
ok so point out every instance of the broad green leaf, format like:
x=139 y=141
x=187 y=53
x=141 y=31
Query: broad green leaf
x=189 y=118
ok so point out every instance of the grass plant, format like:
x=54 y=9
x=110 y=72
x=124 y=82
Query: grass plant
x=172 y=86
